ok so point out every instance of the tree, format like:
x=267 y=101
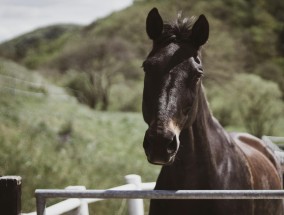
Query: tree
x=101 y=61
x=259 y=103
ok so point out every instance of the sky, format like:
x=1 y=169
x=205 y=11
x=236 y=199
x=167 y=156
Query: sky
x=22 y=16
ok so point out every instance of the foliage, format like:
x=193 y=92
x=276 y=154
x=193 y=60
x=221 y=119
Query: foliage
x=51 y=141
x=259 y=104
x=244 y=36
x=272 y=70
x=82 y=87
x=13 y=79
x=36 y=48
x=254 y=101
x=108 y=66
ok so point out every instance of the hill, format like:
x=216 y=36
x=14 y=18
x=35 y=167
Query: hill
x=52 y=141
x=110 y=50
x=100 y=63
x=39 y=46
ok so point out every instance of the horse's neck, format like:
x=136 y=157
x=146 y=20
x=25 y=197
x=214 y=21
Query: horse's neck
x=207 y=135
x=200 y=144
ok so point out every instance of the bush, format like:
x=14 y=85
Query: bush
x=249 y=101
x=272 y=70
x=259 y=103
x=222 y=109
x=80 y=85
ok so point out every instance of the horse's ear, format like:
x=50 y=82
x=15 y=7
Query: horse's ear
x=154 y=24
x=200 y=31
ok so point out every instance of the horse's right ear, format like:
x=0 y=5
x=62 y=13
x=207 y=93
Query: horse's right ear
x=200 y=31
x=154 y=24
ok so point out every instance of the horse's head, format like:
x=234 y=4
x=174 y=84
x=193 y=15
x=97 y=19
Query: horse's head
x=172 y=80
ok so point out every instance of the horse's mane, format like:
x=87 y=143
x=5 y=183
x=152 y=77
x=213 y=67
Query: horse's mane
x=179 y=30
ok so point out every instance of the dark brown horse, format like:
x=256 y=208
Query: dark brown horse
x=183 y=136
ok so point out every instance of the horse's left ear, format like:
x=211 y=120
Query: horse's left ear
x=154 y=24
x=200 y=31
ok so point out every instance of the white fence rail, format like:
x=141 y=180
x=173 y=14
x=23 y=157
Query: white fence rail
x=80 y=203
x=135 y=191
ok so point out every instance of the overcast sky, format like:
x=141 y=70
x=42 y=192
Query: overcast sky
x=21 y=16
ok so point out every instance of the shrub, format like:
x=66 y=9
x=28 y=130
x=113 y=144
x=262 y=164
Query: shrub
x=80 y=85
x=272 y=70
x=250 y=101
x=259 y=103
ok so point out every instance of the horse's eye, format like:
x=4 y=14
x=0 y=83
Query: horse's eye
x=196 y=77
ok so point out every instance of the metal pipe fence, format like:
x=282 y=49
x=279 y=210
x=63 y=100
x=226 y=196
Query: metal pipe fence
x=42 y=195
x=78 y=198
x=162 y=194
x=135 y=202
x=134 y=191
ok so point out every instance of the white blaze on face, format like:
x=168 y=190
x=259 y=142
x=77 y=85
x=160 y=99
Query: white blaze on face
x=174 y=127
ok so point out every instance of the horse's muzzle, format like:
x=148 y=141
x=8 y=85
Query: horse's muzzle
x=160 y=149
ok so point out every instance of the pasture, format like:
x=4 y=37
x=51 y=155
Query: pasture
x=53 y=141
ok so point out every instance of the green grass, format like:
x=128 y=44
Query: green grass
x=51 y=141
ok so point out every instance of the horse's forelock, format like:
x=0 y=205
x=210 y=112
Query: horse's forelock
x=178 y=31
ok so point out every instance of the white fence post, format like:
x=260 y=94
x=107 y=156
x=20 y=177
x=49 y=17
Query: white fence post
x=135 y=206
x=83 y=209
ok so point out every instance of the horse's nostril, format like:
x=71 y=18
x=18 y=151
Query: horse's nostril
x=172 y=146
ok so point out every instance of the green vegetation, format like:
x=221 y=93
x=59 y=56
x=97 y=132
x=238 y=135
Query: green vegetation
x=52 y=140
x=36 y=48
x=257 y=107
x=245 y=36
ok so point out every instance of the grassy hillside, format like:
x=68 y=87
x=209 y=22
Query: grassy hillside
x=52 y=141
x=110 y=51
x=49 y=138
x=40 y=46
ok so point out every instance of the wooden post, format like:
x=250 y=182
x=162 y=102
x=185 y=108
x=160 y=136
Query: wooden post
x=10 y=195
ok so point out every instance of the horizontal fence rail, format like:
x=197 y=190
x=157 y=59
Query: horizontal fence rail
x=42 y=195
x=276 y=145
x=162 y=194
x=275 y=139
x=135 y=206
